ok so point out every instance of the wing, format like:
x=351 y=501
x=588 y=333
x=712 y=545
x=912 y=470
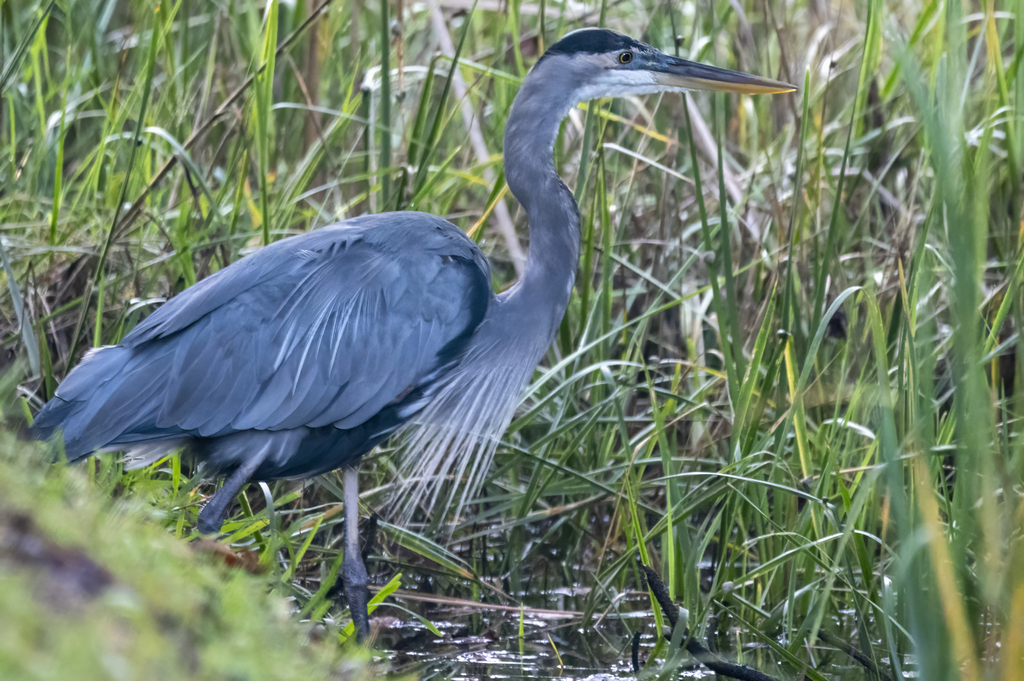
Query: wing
x=323 y=328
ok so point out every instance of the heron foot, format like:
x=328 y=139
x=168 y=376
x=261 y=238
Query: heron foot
x=357 y=593
x=211 y=518
x=353 y=569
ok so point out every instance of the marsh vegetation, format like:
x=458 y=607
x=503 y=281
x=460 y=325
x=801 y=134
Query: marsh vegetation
x=788 y=375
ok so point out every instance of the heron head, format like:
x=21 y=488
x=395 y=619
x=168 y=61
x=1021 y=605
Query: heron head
x=609 y=64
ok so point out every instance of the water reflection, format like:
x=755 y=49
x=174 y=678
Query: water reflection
x=482 y=645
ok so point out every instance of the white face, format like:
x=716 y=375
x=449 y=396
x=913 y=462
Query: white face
x=607 y=78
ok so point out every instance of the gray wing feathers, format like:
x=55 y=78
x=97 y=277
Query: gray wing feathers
x=325 y=328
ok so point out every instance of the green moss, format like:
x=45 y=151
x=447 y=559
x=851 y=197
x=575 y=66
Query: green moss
x=90 y=590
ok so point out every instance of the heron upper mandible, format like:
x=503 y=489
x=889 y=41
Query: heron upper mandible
x=301 y=357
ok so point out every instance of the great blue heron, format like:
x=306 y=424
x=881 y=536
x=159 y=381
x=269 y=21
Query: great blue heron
x=300 y=358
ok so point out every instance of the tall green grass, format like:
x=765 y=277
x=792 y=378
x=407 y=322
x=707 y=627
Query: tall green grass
x=788 y=377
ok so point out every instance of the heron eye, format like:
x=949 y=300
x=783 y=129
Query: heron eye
x=625 y=57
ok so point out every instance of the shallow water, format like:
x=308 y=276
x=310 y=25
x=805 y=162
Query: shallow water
x=486 y=645
x=497 y=652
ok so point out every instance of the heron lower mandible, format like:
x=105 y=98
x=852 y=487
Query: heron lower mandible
x=300 y=358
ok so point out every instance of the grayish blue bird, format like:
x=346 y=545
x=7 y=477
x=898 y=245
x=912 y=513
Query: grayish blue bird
x=300 y=358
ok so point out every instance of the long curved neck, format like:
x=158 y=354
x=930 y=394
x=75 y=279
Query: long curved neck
x=543 y=101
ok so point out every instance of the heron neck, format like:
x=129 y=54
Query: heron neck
x=537 y=112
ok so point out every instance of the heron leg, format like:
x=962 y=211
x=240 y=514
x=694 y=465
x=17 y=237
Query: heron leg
x=212 y=516
x=353 y=571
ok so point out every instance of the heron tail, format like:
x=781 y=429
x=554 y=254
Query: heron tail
x=82 y=407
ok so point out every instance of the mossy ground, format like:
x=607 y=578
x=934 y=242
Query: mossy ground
x=90 y=589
